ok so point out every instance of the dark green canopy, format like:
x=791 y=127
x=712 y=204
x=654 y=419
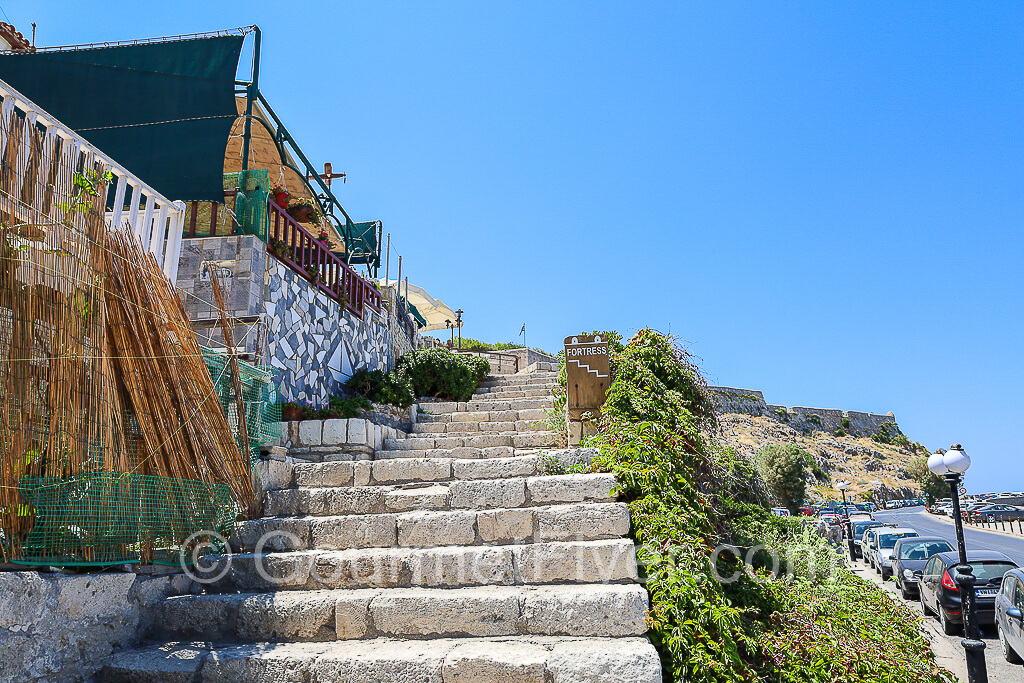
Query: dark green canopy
x=164 y=110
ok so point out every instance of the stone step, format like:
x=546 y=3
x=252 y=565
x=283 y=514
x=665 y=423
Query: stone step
x=484 y=416
x=530 y=378
x=498 y=526
x=605 y=561
x=426 y=442
x=447 y=495
x=450 y=407
x=511 y=394
x=415 y=470
x=545 y=389
x=471 y=428
x=463 y=453
x=510 y=659
x=597 y=610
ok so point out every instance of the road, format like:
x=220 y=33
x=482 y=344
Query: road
x=948 y=649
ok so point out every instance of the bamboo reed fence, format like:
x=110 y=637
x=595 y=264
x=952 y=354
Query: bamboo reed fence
x=114 y=444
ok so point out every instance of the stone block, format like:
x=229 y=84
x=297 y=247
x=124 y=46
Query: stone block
x=491 y=612
x=92 y=596
x=357 y=431
x=626 y=660
x=428 y=529
x=587 y=610
x=488 y=493
x=361 y=471
x=276 y=534
x=470 y=417
x=417 y=498
x=489 y=440
x=495 y=662
x=311 y=432
x=495 y=468
x=352 y=614
x=378 y=437
x=335 y=432
x=331 y=473
x=190 y=616
x=534 y=440
x=354 y=500
x=273 y=474
x=353 y=531
x=386 y=661
x=402 y=470
x=288 y=616
x=583 y=521
x=505 y=526
x=23 y=597
x=571 y=488
x=579 y=562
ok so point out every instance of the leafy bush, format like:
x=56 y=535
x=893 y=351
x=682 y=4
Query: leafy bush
x=381 y=387
x=813 y=621
x=336 y=407
x=784 y=468
x=440 y=373
x=845 y=422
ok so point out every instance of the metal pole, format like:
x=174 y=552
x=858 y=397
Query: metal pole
x=250 y=96
x=387 y=261
x=407 y=309
x=398 y=283
x=974 y=647
x=849 y=532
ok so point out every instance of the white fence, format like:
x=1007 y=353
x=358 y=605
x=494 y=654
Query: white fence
x=156 y=220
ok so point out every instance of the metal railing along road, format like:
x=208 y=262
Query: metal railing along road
x=155 y=220
x=1003 y=523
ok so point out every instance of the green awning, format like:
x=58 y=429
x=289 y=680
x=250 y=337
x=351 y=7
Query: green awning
x=415 y=313
x=163 y=110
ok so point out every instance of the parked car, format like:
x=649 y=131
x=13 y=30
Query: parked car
x=885 y=542
x=858 y=534
x=869 y=541
x=993 y=513
x=909 y=557
x=807 y=512
x=940 y=594
x=1010 y=616
x=781 y=512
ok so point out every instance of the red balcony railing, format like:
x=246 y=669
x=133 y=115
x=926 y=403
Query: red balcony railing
x=311 y=257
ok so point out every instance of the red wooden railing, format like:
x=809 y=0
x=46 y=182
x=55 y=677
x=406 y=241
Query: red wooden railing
x=311 y=258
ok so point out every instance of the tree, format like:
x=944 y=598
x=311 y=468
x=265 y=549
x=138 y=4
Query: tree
x=932 y=486
x=784 y=468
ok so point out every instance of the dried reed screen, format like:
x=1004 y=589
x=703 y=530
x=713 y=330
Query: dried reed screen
x=114 y=446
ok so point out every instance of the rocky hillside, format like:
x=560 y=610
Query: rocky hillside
x=869 y=466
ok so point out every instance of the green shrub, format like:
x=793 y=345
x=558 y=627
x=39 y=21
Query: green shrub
x=813 y=622
x=336 y=407
x=381 y=387
x=440 y=373
x=845 y=422
x=784 y=468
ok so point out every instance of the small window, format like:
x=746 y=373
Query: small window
x=1018 y=599
x=1008 y=586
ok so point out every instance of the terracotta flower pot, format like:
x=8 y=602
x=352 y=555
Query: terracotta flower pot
x=291 y=413
x=301 y=214
x=281 y=199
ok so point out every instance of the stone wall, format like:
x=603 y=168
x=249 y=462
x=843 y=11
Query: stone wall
x=353 y=438
x=58 y=628
x=314 y=341
x=751 y=402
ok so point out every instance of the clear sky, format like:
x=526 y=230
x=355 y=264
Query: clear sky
x=823 y=200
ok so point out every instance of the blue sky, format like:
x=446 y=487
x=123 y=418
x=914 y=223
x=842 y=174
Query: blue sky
x=823 y=201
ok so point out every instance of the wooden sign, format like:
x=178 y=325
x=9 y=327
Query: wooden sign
x=587 y=373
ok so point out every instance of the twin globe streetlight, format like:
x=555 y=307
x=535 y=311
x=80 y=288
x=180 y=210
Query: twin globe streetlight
x=951 y=466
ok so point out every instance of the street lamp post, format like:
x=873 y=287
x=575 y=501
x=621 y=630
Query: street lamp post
x=451 y=328
x=458 y=321
x=951 y=466
x=842 y=486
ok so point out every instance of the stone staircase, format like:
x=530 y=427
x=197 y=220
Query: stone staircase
x=450 y=558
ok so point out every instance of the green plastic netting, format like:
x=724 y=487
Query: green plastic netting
x=103 y=518
x=259 y=401
x=250 y=205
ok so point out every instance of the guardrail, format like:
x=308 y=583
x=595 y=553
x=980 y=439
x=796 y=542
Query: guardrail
x=309 y=256
x=155 y=220
x=501 y=363
x=999 y=523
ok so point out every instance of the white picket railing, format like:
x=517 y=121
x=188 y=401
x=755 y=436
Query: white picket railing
x=156 y=220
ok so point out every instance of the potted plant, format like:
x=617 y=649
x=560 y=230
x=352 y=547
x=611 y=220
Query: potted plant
x=280 y=196
x=279 y=249
x=313 y=273
x=291 y=412
x=304 y=211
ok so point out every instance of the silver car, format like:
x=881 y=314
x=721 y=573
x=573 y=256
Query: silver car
x=883 y=545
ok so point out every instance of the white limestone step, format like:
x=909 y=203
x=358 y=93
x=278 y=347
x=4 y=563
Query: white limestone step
x=497 y=526
x=596 y=610
x=425 y=442
x=446 y=495
x=449 y=407
x=415 y=470
x=510 y=394
x=473 y=428
x=605 y=561
x=483 y=416
x=544 y=389
x=530 y=378
x=463 y=453
x=508 y=659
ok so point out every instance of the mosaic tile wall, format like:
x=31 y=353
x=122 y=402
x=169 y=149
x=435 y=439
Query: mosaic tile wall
x=286 y=322
x=314 y=343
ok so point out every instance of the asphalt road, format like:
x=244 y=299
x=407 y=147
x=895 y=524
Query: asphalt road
x=939 y=525
x=948 y=649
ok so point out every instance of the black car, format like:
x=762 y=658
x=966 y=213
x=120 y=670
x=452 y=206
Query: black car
x=909 y=558
x=940 y=595
x=858 y=534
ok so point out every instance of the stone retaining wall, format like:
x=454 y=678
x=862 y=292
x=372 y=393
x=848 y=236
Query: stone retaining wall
x=339 y=439
x=58 y=628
